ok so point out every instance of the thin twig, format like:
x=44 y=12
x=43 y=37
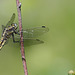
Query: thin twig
x=21 y=37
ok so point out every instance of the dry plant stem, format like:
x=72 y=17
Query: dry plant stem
x=21 y=37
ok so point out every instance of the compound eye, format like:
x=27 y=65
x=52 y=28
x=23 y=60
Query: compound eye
x=15 y=25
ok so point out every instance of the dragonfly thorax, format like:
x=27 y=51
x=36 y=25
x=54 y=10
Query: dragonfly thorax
x=9 y=30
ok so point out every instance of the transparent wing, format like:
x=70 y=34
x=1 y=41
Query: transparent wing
x=29 y=42
x=11 y=20
x=3 y=27
x=33 y=32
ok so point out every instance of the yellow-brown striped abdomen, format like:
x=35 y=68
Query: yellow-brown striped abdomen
x=2 y=42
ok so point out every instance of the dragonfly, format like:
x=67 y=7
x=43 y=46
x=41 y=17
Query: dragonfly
x=29 y=35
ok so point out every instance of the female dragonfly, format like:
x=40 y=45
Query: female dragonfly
x=28 y=34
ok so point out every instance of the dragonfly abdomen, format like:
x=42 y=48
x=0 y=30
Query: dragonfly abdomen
x=2 y=42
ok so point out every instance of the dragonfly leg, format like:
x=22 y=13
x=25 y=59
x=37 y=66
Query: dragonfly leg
x=14 y=39
x=16 y=32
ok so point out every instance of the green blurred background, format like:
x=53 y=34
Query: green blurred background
x=57 y=55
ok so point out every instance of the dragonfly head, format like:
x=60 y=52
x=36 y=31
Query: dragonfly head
x=14 y=25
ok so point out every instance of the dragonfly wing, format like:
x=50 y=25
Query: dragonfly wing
x=30 y=42
x=3 y=27
x=33 y=32
x=11 y=20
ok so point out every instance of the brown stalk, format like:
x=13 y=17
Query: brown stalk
x=21 y=36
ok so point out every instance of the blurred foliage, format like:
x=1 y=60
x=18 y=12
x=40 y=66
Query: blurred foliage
x=71 y=72
x=54 y=57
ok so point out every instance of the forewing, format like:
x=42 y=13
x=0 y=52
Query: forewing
x=33 y=32
x=11 y=20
